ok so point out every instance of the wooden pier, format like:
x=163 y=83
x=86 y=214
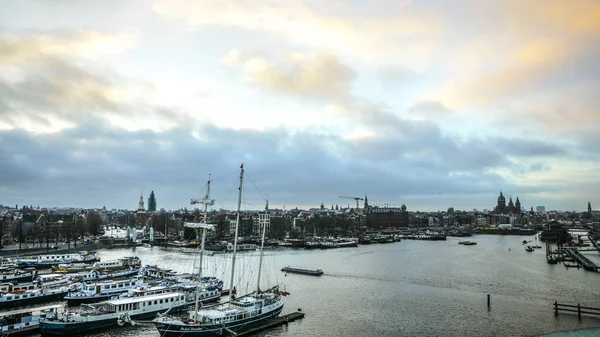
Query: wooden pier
x=575 y=308
x=582 y=260
x=270 y=323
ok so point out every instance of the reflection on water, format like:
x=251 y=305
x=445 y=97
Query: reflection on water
x=408 y=288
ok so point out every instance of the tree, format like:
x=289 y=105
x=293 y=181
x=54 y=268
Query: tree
x=93 y=223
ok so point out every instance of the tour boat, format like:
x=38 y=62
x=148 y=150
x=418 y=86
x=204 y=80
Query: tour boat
x=237 y=313
x=305 y=271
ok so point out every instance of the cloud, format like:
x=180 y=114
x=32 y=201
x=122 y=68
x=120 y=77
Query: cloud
x=16 y=50
x=331 y=26
x=292 y=169
x=45 y=87
x=395 y=74
x=320 y=76
x=429 y=109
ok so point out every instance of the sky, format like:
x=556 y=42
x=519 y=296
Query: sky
x=432 y=103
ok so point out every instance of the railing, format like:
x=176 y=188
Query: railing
x=575 y=308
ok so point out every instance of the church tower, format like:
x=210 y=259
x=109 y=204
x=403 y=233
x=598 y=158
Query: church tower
x=518 y=206
x=141 y=203
x=511 y=206
x=366 y=202
x=589 y=207
x=501 y=203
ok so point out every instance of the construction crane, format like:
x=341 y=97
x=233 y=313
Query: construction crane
x=355 y=198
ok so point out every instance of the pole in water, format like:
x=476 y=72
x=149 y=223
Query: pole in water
x=489 y=301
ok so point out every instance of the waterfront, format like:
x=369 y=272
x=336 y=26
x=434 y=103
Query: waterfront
x=408 y=288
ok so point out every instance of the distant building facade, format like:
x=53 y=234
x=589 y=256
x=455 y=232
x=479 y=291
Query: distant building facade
x=379 y=217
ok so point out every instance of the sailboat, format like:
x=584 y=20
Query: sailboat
x=126 y=310
x=233 y=315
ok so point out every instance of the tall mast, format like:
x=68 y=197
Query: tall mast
x=203 y=227
x=237 y=222
x=262 y=223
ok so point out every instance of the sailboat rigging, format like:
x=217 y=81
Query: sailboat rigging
x=233 y=315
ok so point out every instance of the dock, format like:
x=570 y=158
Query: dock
x=270 y=323
x=594 y=243
x=582 y=260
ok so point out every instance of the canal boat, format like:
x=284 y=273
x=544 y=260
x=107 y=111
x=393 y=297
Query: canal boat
x=15 y=276
x=26 y=321
x=529 y=249
x=89 y=292
x=237 y=313
x=89 y=317
x=305 y=271
x=21 y=297
x=120 y=263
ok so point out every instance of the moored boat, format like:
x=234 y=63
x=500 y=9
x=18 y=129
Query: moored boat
x=24 y=321
x=88 y=317
x=89 y=292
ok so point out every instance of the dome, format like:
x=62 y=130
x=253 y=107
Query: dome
x=501 y=197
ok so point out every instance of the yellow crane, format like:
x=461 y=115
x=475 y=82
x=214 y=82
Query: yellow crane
x=355 y=198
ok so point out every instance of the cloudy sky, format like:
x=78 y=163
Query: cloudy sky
x=428 y=103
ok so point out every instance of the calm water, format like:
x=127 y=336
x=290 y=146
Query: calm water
x=408 y=288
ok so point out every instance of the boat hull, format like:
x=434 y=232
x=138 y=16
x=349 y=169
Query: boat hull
x=209 y=330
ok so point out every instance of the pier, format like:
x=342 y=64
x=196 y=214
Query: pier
x=582 y=260
x=575 y=308
x=271 y=323
x=594 y=243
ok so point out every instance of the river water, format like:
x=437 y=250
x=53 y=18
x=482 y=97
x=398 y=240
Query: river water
x=408 y=288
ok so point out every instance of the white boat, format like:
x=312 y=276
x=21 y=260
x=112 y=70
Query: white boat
x=17 y=276
x=89 y=292
x=48 y=260
x=124 y=262
x=89 y=317
x=233 y=315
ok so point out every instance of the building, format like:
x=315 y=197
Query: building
x=540 y=209
x=379 y=217
x=511 y=208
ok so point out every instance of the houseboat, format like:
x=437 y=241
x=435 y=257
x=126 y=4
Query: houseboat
x=89 y=317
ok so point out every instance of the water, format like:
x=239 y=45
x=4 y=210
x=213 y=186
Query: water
x=408 y=288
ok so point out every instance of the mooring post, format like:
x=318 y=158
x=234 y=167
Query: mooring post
x=489 y=301
x=578 y=311
x=555 y=308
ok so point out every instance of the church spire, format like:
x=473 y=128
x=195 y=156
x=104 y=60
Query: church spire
x=141 y=203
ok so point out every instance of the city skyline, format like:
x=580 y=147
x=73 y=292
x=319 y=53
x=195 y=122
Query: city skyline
x=430 y=104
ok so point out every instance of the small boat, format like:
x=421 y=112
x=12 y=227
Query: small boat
x=146 y=245
x=469 y=243
x=305 y=271
x=529 y=249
